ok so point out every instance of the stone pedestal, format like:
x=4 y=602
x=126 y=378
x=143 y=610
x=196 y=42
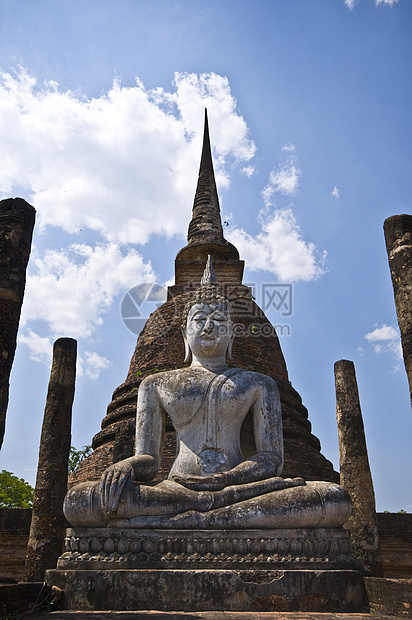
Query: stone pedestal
x=203 y=570
x=210 y=590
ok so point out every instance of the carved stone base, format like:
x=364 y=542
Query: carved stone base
x=210 y=590
x=298 y=549
x=205 y=570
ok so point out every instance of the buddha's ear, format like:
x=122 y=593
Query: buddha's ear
x=229 y=349
x=188 y=352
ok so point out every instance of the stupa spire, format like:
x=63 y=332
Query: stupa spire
x=206 y=225
x=205 y=235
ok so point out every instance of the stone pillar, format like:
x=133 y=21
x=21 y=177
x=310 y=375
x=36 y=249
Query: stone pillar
x=355 y=475
x=16 y=229
x=398 y=236
x=48 y=523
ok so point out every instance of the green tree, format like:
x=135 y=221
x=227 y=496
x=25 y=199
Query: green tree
x=76 y=456
x=15 y=492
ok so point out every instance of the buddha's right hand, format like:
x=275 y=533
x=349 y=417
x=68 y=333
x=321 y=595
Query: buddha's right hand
x=141 y=468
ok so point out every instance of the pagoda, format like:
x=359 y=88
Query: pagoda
x=160 y=347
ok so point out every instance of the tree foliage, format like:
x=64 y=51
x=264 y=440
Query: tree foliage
x=76 y=456
x=15 y=492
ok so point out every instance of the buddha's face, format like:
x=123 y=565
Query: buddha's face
x=208 y=329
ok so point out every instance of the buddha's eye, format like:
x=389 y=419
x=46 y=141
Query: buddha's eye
x=198 y=317
x=219 y=316
x=199 y=320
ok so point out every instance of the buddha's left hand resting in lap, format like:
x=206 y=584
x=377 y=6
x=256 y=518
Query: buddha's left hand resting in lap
x=210 y=485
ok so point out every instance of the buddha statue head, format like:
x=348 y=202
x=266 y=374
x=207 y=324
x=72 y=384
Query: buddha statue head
x=206 y=322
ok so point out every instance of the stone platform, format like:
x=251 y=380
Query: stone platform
x=207 y=615
x=205 y=570
x=298 y=549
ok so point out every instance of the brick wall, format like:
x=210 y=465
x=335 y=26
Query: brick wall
x=14 y=534
x=395 y=531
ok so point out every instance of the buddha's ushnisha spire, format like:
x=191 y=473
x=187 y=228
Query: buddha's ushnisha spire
x=206 y=225
x=209 y=276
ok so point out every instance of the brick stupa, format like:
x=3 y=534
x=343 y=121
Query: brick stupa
x=160 y=347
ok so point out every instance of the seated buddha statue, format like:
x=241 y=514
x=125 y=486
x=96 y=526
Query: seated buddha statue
x=211 y=485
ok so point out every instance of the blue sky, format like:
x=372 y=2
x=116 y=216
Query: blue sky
x=101 y=120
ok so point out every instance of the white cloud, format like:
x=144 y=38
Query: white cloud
x=386 y=339
x=229 y=132
x=72 y=288
x=284 y=180
x=335 y=192
x=280 y=249
x=169 y=282
x=96 y=163
x=95 y=363
x=388 y=2
x=248 y=171
x=41 y=349
x=351 y=3
x=386 y=332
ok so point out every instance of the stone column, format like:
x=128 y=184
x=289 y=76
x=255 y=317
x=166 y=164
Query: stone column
x=398 y=236
x=355 y=475
x=16 y=229
x=48 y=523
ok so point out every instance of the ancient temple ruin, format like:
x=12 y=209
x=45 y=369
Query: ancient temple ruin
x=224 y=482
x=296 y=566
